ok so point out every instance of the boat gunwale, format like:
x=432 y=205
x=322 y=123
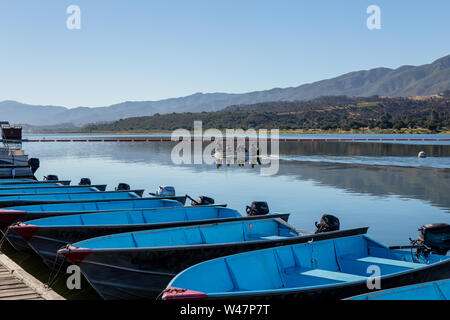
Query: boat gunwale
x=194 y=222
x=360 y=230
x=64 y=213
x=32 y=181
x=98 y=186
x=21 y=203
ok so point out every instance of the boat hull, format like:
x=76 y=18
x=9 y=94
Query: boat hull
x=48 y=191
x=46 y=241
x=145 y=273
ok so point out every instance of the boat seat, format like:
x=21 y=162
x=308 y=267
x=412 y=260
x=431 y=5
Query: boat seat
x=332 y=275
x=273 y=238
x=391 y=262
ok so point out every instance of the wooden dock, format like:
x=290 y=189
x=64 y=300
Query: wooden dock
x=17 y=284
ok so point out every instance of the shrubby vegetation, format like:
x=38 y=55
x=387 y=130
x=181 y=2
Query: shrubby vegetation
x=324 y=113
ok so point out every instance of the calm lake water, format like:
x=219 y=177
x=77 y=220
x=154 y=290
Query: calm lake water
x=383 y=186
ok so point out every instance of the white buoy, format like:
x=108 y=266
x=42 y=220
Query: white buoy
x=422 y=154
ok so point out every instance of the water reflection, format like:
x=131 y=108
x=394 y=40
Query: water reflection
x=429 y=184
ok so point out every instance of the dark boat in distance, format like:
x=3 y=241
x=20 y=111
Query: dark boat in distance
x=48 y=235
x=10 y=133
x=328 y=269
x=139 y=265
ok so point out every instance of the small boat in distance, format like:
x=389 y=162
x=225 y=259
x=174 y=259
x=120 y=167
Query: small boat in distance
x=437 y=290
x=10 y=133
x=139 y=265
x=329 y=269
x=48 y=235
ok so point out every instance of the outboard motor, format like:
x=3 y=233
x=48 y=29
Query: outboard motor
x=257 y=208
x=85 y=182
x=166 y=191
x=327 y=223
x=436 y=237
x=51 y=177
x=203 y=201
x=34 y=164
x=123 y=187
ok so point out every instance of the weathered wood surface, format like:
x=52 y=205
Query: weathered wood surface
x=17 y=284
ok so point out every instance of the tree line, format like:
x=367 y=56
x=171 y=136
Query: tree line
x=324 y=113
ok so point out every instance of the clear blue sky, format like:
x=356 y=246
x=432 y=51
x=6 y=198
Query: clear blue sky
x=151 y=50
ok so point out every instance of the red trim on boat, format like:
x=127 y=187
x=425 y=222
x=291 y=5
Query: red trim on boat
x=74 y=254
x=9 y=216
x=26 y=231
x=172 y=293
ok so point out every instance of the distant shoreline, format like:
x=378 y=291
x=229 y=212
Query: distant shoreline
x=296 y=131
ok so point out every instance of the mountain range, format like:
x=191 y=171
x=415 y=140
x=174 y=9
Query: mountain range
x=429 y=79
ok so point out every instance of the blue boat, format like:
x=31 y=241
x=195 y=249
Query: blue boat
x=48 y=235
x=329 y=269
x=436 y=290
x=45 y=186
x=24 y=213
x=7 y=182
x=30 y=199
x=14 y=180
x=51 y=190
x=139 y=265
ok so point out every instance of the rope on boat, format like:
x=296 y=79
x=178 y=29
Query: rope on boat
x=3 y=239
x=51 y=280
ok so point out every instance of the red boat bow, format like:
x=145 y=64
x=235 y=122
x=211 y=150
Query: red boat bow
x=26 y=231
x=74 y=254
x=172 y=293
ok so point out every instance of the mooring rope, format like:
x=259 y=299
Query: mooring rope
x=3 y=239
x=51 y=280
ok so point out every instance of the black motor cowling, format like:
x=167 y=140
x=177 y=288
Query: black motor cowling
x=85 y=182
x=51 y=177
x=34 y=164
x=203 y=201
x=257 y=208
x=328 y=223
x=123 y=187
x=436 y=236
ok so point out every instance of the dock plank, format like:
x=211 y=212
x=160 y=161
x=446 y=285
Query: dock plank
x=23 y=297
x=17 y=284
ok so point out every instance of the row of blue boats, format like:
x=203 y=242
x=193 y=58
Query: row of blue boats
x=131 y=246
